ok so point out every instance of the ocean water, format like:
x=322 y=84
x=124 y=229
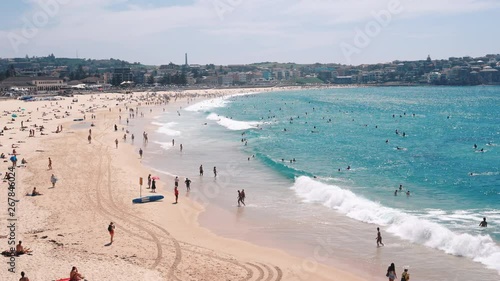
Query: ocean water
x=352 y=149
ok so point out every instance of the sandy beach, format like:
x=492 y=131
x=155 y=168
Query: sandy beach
x=66 y=226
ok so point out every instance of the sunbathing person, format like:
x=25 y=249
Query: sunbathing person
x=74 y=275
x=35 y=192
x=20 y=250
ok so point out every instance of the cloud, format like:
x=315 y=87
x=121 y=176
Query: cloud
x=221 y=30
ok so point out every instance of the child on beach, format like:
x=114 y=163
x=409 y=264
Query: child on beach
x=53 y=180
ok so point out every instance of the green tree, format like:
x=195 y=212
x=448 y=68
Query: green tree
x=165 y=80
x=11 y=72
x=151 y=80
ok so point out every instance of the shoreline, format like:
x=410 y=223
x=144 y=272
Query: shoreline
x=100 y=191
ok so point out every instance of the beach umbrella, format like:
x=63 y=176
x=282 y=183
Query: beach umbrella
x=14 y=115
x=13 y=158
x=155 y=178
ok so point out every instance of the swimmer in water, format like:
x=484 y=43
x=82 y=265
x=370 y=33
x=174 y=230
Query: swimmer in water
x=396 y=192
x=483 y=223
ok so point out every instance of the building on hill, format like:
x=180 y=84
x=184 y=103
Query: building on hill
x=123 y=74
x=40 y=83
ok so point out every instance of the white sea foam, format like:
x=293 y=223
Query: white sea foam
x=164 y=145
x=207 y=105
x=233 y=124
x=480 y=248
x=166 y=128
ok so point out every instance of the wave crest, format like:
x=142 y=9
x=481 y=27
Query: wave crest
x=480 y=248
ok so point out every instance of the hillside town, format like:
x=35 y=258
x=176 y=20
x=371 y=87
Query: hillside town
x=66 y=75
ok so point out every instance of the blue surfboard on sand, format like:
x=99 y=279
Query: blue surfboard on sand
x=146 y=199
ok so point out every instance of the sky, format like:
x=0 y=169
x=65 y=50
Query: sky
x=225 y=32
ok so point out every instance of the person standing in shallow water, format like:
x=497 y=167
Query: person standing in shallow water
x=201 y=170
x=243 y=197
x=379 y=238
x=239 y=198
x=215 y=172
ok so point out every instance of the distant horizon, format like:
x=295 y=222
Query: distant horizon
x=155 y=32
x=260 y=62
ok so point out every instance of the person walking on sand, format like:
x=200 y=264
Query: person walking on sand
x=140 y=152
x=215 y=172
x=111 y=230
x=379 y=238
x=188 y=184
x=23 y=277
x=149 y=181
x=176 y=193
x=176 y=181
x=201 y=170
x=89 y=139
x=53 y=180
x=391 y=272
x=181 y=147
x=50 y=164
x=116 y=142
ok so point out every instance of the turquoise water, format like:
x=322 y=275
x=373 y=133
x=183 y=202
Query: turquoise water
x=452 y=184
